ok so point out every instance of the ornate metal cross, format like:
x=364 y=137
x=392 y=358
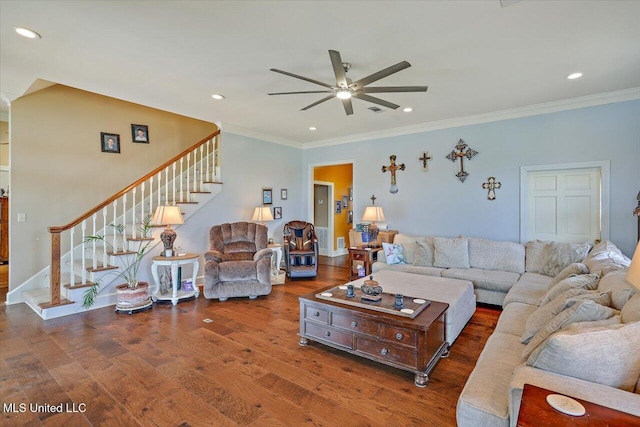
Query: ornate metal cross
x=393 y=168
x=424 y=158
x=373 y=199
x=453 y=156
x=491 y=185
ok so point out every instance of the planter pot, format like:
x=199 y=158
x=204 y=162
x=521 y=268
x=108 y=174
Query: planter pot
x=133 y=298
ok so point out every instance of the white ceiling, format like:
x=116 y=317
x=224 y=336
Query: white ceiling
x=476 y=57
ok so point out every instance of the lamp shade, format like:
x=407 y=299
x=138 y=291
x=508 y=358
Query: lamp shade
x=373 y=213
x=262 y=214
x=167 y=215
x=633 y=274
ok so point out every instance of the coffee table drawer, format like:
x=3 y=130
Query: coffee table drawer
x=355 y=324
x=316 y=314
x=331 y=335
x=387 y=353
x=398 y=336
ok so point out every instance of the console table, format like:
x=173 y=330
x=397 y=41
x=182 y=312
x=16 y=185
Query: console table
x=174 y=262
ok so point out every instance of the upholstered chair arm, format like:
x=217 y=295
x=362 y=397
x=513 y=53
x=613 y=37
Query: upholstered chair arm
x=263 y=271
x=262 y=253
x=214 y=255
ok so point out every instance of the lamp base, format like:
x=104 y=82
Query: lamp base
x=168 y=236
x=374 y=230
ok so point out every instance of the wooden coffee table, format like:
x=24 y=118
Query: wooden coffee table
x=413 y=345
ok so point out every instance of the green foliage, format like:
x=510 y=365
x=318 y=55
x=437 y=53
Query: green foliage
x=131 y=263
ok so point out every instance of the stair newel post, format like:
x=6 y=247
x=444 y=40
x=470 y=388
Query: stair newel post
x=55 y=267
x=94 y=217
x=71 y=255
x=133 y=212
x=114 y=239
x=173 y=184
x=104 y=232
x=201 y=166
x=84 y=254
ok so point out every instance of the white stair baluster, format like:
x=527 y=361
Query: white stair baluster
x=194 y=186
x=71 y=272
x=93 y=251
x=216 y=158
x=114 y=222
x=181 y=182
x=158 y=181
x=173 y=184
x=104 y=233
x=133 y=212
x=84 y=255
x=124 y=217
x=142 y=202
x=151 y=196
x=188 y=179
x=201 y=166
x=208 y=143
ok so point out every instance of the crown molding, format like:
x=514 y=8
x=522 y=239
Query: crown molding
x=257 y=135
x=512 y=113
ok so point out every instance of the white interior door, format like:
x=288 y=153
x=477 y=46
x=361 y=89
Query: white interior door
x=564 y=205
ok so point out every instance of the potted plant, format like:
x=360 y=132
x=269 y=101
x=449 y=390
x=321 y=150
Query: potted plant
x=132 y=294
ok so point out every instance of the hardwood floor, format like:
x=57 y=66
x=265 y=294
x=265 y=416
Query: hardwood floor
x=167 y=367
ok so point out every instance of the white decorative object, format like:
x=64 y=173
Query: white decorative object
x=566 y=405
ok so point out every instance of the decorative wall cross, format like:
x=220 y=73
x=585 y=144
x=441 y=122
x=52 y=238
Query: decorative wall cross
x=393 y=168
x=453 y=156
x=373 y=199
x=424 y=158
x=492 y=186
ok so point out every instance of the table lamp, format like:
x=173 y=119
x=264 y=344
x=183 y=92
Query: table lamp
x=633 y=273
x=168 y=216
x=262 y=214
x=373 y=214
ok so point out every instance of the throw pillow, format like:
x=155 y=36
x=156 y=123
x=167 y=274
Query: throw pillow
x=606 y=257
x=572 y=270
x=535 y=252
x=561 y=255
x=393 y=253
x=621 y=290
x=585 y=311
x=451 y=253
x=424 y=253
x=544 y=314
x=604 y=355
x=585 y=281
x=631 y=310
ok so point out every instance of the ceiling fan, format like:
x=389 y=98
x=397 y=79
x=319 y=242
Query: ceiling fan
x=345 y=89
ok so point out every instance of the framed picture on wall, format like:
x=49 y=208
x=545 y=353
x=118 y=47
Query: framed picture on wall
x=349 y=217
x=110 y=142
x=277 y=213
x=283 y=194
x=338 y=206
x=140 y=134
x=345 y=202
x=267 y=196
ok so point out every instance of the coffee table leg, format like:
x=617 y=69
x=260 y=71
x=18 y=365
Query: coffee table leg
x=445 y=353
x=421 y=380
x=303 y=341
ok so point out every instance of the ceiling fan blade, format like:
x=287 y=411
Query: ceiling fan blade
x=348 y=107
x=338 y=70
x=381 y=74
x=382 y=89
x=307 y=91
x=302 y=78
x=318 y=102
x=376 y=100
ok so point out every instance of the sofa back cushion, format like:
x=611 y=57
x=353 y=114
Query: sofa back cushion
x=409 y=245
x=496 y=255
x=451 y=253
x=605 y=257
x=535 y=253
x=560 y=255
x=424 y=255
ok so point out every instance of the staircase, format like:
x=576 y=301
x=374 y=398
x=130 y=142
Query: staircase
x=190 y=180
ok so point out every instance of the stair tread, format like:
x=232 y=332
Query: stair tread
x=138 y=239
x=79 y=285
x=103 y=268
x=63 y=301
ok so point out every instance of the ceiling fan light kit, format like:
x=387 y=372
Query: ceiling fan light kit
x=345 y=89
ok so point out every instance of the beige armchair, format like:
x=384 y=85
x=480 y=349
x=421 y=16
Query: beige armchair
x=238 y=263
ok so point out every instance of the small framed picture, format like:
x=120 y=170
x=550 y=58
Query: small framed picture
x=110 y=142
x=267 y=196
x=140 y=134
x=350 y=193
x=277 y=213
x=349 y=217
x=283 y=194
x=345 y=202
x=338 y=206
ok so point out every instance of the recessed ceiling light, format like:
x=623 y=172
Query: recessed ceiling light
x=313 y=128
x=25 y=32
x=407 y=109
x=574 y=76
x=217 y=96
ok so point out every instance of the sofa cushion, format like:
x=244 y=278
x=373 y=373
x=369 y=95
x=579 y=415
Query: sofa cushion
x=451 y=253
x=585 y=311
x=238 y=270
x=631 y=310
x=571 y=270
x=585 y=281
x=528 y=290
x=496 y=255
x=513 y=318
x=561 y=255
x=545 y=313
x=409 y=245
x=604 y=355
x=605 y=257
x=393 y=253
x=621 y=290
x=407 y=268
x=535 y=253
x=424 y=252
x=486 y=279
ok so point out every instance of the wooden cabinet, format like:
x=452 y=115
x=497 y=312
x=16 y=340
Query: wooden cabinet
x=384 y=236
x=4 y=230
x=364 y=256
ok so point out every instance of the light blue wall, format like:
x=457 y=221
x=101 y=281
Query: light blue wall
x=437 y=203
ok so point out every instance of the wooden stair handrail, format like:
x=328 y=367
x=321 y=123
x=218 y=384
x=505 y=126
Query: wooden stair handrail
x=59 y=229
